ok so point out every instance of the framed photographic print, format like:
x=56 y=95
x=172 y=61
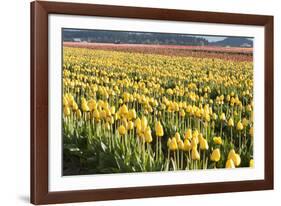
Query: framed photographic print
x=133 y=102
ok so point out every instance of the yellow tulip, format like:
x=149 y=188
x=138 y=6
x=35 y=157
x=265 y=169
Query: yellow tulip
x=123 y=109
x=173 y=145
x=222 y=117
x=143 y=122
x=194 y=142
x=216 y=155
x=147 y=135
x=102 y=114
x=229 y=164
x=251 y=164
x=169 y=142
x=138 y=124
x=85 y=107
x=195 y=154
x=182 y=113
x=195 y=134
x=239 y=126
x=180 y=145
x=132 y=114
x=237 y=160
x=159 y=129
x=215 y=116
x=245 y=122
x=78 y=114
x=92 y=104
x=231 y=154
x=188 y=134
x=187 y=145
x=65 y=101
x=66 y=111
x=230 y=122
x=204 y=144
x=107 y=126
x=96 y=114
x=234 y=157
x=74 y=106
x=122 y=130
x=130 y=125
x=177 y=136
x=217 y=140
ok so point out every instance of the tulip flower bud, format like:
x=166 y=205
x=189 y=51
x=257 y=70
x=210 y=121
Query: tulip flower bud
x=147 y=135
x=188 y=134
x=229 y=164
x=234 y=157
x=173 y=145
x=143 y=122
x=187 y=145
x=251 y=164
x=177 y=136
x=130 y=125
x=204 y=144
x=239 y=126
x=217 y=140
x=122 y=130
x=85 y=107
x=159 y=129
x=216 y=155
x=66 y=111
x=222 y=117
x=78 y=114
x=195 y=154
x=230 y=122
x=180 y=145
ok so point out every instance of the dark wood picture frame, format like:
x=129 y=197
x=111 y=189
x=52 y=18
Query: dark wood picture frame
x=39 y=102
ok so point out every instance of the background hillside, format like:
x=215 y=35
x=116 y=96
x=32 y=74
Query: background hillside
x=124 y=37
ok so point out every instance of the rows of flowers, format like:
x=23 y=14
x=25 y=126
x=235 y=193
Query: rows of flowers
x=133 y=112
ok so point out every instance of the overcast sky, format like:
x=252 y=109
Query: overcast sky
x=213 y=38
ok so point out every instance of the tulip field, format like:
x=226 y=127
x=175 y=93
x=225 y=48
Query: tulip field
x=126 y=111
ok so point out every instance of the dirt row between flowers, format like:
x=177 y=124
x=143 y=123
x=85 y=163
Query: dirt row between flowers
x=228 y=53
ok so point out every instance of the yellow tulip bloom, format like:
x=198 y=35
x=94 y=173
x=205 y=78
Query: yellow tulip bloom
x=234 y=157
x=124 y=109
x=239 y=126
x=143 y=122
x=180 y=145
x=159 y=129
x=195 y=154
x=85 y=107
x=217 y=140
x=147 y=135
x=230 y=122
x=204 y=144
x=188 y=134
x=177 y=136
x=187 y=145
x=229 y=164
x=173 y=145
x=66 y=111
x=251 y=164
x=122 y=130
x=222 y=117
x=131 y=114
x=216 y=155
x=130 y=125
x=78 y=114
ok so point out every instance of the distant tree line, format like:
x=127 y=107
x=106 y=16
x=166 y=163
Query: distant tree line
x=119 y=37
